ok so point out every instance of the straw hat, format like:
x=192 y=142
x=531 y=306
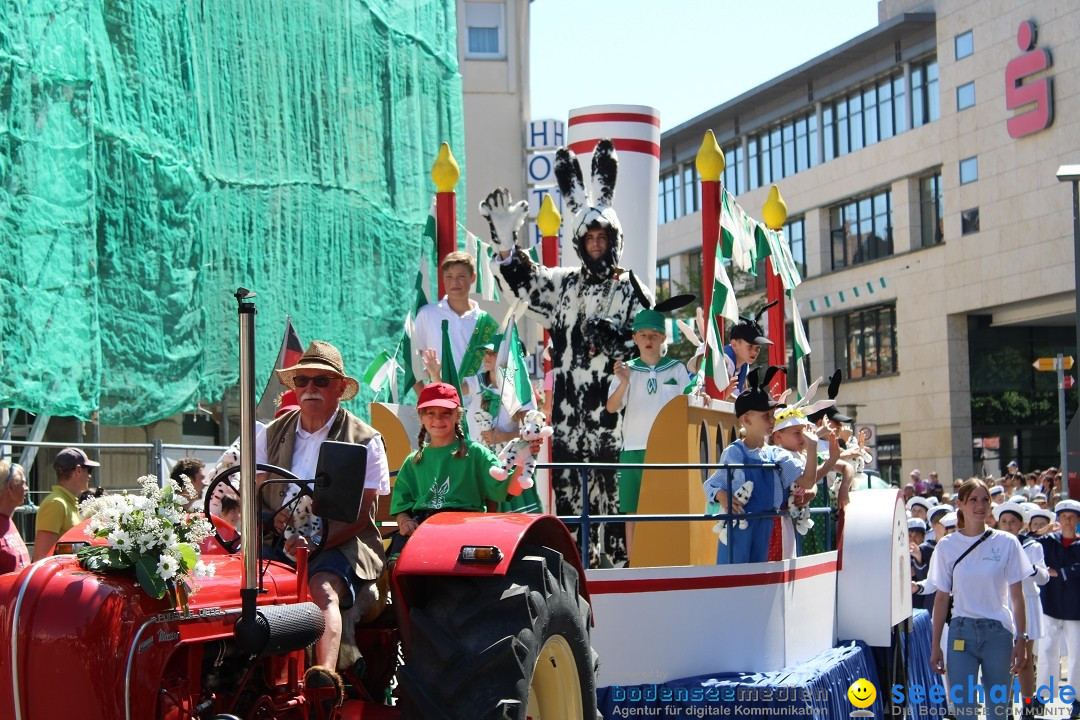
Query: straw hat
x=320 y=355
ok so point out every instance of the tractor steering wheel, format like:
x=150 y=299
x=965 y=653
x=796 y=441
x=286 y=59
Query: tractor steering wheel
x=225 y=484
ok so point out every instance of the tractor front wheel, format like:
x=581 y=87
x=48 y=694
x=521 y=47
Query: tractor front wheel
x=507 y=648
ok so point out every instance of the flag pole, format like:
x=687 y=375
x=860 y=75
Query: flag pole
x=445 y=172
x=774 y=213
x=548 y=220
x=710 y=166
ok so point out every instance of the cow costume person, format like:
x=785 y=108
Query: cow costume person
x=589 y=312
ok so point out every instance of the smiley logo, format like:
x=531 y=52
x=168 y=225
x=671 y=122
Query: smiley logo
x=862 y=693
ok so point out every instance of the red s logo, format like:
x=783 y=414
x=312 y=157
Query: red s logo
x=1039 y=92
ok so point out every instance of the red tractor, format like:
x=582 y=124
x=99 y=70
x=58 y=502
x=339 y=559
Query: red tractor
x=493 y=608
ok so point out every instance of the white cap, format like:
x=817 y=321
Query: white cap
x=790 y=417
x=937 y=511
x=1012 y=507
x=1012 y=463
x=1041 y=512
x=917 y=500
x=997 y=490
x=916 y=524
x=949 y=521
x=1067 y=506
x=1018 y=499
x=916 y=473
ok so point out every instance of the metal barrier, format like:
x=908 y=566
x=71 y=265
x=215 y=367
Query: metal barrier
x=585 y=520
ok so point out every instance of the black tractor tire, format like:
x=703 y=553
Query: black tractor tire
x=502 y=648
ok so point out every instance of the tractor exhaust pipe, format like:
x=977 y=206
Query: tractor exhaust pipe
x=249 y=631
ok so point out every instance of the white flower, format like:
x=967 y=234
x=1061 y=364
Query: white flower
x=167 y=567
x=204 y=570
x=120 y=540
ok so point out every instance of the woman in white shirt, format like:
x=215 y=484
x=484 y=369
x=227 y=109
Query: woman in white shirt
x=983 y=569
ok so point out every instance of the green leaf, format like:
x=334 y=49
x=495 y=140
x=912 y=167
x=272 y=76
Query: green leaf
x=151 y=582
x=188 y=556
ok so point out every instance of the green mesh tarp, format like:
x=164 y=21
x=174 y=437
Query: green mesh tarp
x=157 y=154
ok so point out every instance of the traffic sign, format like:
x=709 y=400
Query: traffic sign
x=1050 y=363
x=1068 y=381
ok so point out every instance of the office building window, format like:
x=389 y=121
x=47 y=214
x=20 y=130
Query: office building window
x=965 y=96
x=784 y=150
x=925 y=106
x=969 y=170
x=691 y=190
x=964 y=44
x=969 y=221
x=693 y=268
x=670 y=200
x=734 y=177
x=663 y=279
x=930 y=210
x=863 y=117
x=485 y=29
x=861 y=230
x=795 y=234
x=866 y=342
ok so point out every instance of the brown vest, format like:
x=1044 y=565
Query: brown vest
x=367 y=552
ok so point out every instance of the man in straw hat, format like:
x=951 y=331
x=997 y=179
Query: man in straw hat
x=343 y=575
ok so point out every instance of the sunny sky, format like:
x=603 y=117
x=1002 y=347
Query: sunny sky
x=680 y=56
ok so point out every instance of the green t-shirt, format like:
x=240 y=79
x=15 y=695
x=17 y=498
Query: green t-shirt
x=441 y=481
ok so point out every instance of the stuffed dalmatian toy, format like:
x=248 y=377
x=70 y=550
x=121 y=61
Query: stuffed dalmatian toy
x=589 y=311
x=742 y=495
x=518 y=452
x=302 y=521
x=482 y=421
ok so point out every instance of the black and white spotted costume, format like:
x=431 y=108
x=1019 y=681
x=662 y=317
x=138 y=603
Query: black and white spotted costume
x=589 y=312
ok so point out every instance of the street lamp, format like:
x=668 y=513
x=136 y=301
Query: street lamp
x=1071 y=173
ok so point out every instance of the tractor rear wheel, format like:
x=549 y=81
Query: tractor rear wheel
x=507 y=648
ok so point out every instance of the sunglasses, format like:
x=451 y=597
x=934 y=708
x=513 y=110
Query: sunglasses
x=320 y=381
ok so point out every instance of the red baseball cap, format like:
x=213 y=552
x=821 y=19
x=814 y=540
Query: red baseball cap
x=438 y=395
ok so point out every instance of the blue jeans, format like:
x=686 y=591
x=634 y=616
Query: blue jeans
x=987 y=644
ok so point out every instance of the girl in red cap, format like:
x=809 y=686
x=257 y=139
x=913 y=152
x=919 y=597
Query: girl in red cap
x=447 y=472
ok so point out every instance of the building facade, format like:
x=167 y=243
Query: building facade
x=918 y=162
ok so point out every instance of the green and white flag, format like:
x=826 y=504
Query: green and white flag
x=414 y=367
x=772 y=244
x=481 y=253
x=431 y=230
x=515 y=388
x=737 y=240
x=723 y=304
x=383 y=369
x=802 y=345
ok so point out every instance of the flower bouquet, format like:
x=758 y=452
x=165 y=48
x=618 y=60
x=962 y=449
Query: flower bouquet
x=151 y=533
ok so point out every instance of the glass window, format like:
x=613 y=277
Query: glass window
x=663 y=279
x=691 y=189
x=670 y=200
x=733 y=179
x=485 y=31
x=870 y=120
x=899 y=105
x=930 y=210
x=855 y=120
x=811 y=121
x=789 y=149
x=964 y=44
x=965 y=96
x=752 y=164
x=829 y=130
x=885 y=109
x=795 y=232
x=693 y=268
x=969 y=221
x=969 y=170
x=843 y=146
x=866 y=342
x=861 y=230
x=924 y=93
x=776 y=155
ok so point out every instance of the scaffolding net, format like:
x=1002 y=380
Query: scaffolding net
x=157 y=154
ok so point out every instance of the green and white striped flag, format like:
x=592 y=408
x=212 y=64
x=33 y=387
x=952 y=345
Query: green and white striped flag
x=430 y=230
x=802 y=345
x=723 y=304
x=414 y=367
x=772 y=244
x=481 y=253
x=737 y=242
x=382 y=369
x=515 y=388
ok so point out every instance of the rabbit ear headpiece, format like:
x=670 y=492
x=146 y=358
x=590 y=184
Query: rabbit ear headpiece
x=830 y=410
x=595 y=211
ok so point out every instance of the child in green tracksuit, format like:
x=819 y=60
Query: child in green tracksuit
x=448 y=472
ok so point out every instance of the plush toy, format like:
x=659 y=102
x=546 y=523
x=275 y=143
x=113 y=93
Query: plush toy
x=742 y=495
x=800 y=516
x=303 y=521
x=482 y=421
x=518 y=452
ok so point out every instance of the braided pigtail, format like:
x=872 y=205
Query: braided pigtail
x=421 y=440
x=459 y=433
